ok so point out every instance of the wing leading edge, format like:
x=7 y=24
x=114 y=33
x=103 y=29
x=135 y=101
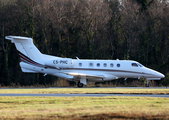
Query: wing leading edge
x=91 y=76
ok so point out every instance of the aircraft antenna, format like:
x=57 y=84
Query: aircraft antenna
x=77 y=58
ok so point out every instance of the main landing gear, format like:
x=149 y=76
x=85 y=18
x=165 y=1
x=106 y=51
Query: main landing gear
x=80 y=85
x=82 y=82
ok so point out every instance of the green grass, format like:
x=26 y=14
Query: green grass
x=88 y=90
x=83 y=107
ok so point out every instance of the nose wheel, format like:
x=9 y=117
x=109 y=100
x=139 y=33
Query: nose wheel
x=80 y=85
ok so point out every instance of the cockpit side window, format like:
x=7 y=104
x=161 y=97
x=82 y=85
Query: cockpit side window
x=134 y=65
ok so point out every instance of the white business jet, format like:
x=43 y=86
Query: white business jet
x=83 y=71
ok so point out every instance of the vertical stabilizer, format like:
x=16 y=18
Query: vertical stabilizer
x=26 y=48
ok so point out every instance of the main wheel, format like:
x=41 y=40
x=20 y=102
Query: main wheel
x=147 y=85
x=80 y=85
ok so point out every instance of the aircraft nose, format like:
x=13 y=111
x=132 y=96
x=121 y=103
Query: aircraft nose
x=159 y=75
x=162 y=76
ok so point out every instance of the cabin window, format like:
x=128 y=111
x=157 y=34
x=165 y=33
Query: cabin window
x=118 y=65
x=134 y=65
x=98 y=64
x=111 y=65
x=105 y=65
x=91 y=64
x=80 y=64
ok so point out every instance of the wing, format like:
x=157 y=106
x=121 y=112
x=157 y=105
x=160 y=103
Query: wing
x=92 y=76
x=85 y=75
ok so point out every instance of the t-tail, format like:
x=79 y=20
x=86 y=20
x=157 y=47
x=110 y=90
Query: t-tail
x=28 y=52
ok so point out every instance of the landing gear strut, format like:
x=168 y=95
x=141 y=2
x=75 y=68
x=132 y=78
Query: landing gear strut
x=82 y=82
x=80 y=85
x=147 y=84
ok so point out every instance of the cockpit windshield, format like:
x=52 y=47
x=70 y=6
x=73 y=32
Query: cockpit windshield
x=136 y=65
x=140 y=65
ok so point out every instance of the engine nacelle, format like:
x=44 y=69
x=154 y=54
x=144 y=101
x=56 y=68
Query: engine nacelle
x=60 y=63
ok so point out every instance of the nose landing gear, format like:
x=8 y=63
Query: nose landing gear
x=147 y=84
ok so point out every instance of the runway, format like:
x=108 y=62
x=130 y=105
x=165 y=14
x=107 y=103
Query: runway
x=92 y=87
x=84 y=95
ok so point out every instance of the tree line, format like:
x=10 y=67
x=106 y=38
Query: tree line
x=90 y=29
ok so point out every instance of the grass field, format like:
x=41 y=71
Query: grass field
x=88 y=90
x=83 y=108
x=79 y=108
